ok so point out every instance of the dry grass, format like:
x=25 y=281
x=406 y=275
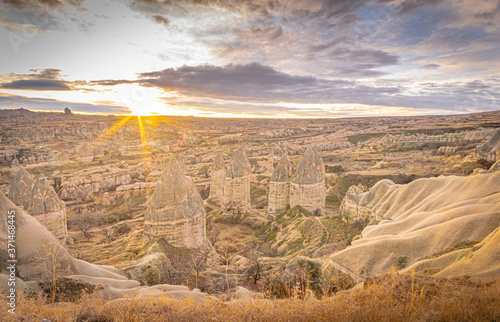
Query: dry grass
x=391 y=297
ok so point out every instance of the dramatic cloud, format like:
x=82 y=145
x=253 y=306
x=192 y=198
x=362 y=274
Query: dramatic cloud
x=266 y=57
x=41 y=80
x=40 y=14
x=218 y=87
x=249 y=80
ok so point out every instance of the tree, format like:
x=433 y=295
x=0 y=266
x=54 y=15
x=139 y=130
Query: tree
x=228 y=253
x=85 y=222
x=50 y=259
x=255 y=269
x=198 y=260
x=107 y=233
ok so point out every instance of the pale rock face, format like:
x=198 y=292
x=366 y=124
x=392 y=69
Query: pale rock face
x=15 y=166
x=274 y=155
x=95 y=180
x=426 y=217
x=217 y=180
x=490 y=150
x=47 y=208
x=59 y=158
x=237 y=181
x=218 y=163
x=307 y=187
x=495 y=167
x=311 y=168
x=176 y=212
x=136 y=189
x=239 y=165
x=447 y=150
x=350 y=207
x=279 y=187
x=85 y=154
x=415 y=141
x=98 y=152
x=276 y=150
x=20 y=188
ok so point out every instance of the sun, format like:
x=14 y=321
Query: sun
x=140 y=100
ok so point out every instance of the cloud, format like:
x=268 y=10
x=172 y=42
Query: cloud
x=409 y=6
x=17 y=101
x=224 y=86
x=431 y=66
x=37 y=85
x=233 y=80
x=42 y=15
x=41 y=80
x=161 y=20
x=263 y=53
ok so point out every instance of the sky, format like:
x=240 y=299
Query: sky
x=251 y=58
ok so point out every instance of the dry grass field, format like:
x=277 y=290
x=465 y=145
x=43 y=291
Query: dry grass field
x=391 y=297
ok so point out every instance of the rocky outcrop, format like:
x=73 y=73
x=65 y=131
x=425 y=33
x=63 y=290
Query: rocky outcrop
x=7 y=156
x=274 y=155
x=217 y=181
x=37 y=247
x=135 y=189
x=98 y=152
x=490 y=150
x=85 y=154
x=237 y=182
x=307 y=187
x=350 y=209
x=20 y=188
x=424 y=224
x=15 y=166
x=59 y=158
x=47 y=208
x=176 y=212
x=279 y=186
x=447 y=150
x=83 y=185
x=414 y=141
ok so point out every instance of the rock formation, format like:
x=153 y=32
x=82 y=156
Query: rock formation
x=47 y=208
x=350 y=208
x=59 y=158
x=35 y=245
x=217 y=181
x=85 y=154
x=15 y=166
x=414 y=141
x=490 y=151
x=237 y=181
x=20 y=188
x=447 y=150
x=421 y=224
x=84 y=184
x=98 y=152
x=279 y=186
x=176 y=212
x=307 y=187
x=274 y=155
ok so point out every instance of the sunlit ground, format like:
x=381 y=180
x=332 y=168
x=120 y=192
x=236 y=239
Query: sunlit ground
x=143 y=124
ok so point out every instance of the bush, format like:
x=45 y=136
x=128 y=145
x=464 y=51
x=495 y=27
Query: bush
x=122 y=230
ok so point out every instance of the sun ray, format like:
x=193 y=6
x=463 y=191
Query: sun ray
x=142 y=133
x=103 y=137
